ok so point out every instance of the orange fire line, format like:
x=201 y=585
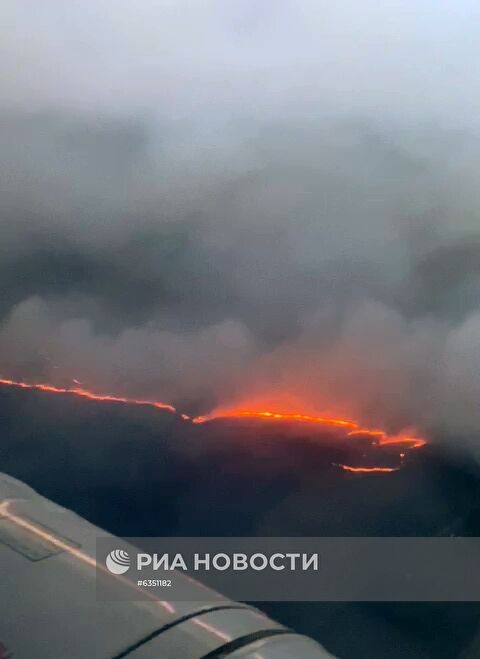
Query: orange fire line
x=380 y=437
x=386 y=440
x=356 y=430
x=368 y=470
x=85 y=393
x=414 y=442
x=277 y=416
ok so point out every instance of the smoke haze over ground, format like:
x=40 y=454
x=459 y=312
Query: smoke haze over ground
x=210 y=202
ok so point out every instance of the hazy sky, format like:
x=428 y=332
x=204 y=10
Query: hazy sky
x=409 y=60
x=212 y=201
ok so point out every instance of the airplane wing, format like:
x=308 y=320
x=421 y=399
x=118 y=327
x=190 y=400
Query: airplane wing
x=49 y=608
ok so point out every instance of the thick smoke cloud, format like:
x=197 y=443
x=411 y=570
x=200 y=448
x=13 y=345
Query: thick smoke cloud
x=207 y=203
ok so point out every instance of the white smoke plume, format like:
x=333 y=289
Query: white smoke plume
x=202 y=201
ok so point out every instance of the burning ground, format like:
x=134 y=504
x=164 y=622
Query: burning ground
x=271 y=222
x=138 y=470
x=330 y=270
x=74 y=448
x=258 y=215
x=319 y=425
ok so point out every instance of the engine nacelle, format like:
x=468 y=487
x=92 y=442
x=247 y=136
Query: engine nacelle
x=49 y=608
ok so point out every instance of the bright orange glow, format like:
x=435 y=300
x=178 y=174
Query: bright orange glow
x=277 y=416
x=410 y=442
x=85 y=393
x=379 y=438
x=387 y=440
x=355 y=429
x=369 y=470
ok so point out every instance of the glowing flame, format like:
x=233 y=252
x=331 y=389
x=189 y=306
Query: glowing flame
x=411 y=442
x=356 y=430
x=353 y=429
x=379 y=437
x=368 y=470
x=277 y=416
x=383 y=439
x=85 y=393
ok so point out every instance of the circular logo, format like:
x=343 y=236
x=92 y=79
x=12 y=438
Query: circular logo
x=118 y=561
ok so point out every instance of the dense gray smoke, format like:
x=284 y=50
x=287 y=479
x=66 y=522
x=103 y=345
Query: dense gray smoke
x=207 y=201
